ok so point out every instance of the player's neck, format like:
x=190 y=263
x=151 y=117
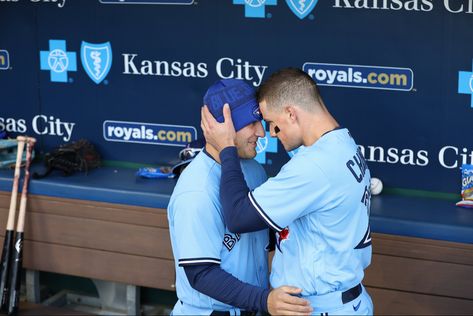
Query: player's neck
x=212 y=152
x=320 y=125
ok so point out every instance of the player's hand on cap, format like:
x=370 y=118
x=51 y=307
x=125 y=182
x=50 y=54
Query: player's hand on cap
x=281 y=301
x=219 y=135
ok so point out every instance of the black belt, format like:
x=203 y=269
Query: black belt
x=351 y=294
x=347 y=296
x=227 y=313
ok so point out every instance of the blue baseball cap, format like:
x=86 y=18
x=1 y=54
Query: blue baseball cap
x=239 y=95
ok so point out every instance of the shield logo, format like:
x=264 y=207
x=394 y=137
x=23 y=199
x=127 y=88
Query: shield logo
x=301 y=8
x=261 y=144
x=96 y=60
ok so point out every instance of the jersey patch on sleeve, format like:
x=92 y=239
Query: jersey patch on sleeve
x=282 y=236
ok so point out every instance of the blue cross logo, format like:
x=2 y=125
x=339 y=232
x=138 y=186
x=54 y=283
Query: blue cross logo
x=465 y=83
x=264 y=145
x=255 y=8
x=58 y=61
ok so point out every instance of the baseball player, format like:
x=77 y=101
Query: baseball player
x=219 y=272
x=318 y=203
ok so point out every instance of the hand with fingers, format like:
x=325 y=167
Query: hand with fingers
x=281 y=301
x=219 y=135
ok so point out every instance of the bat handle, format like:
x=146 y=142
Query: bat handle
x=15 y=281
x=5 y=270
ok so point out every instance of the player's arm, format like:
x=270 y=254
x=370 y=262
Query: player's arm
x=221 y=136
x=247 y=211
x=241 y=216
x=291 y=194
x=212 y=280
x=197 y=229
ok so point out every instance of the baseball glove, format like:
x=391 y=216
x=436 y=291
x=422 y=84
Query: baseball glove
x=71 y=157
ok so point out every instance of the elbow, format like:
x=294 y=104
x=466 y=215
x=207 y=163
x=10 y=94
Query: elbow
x=231 y=218
x=233 y=227
x=191 y=279
x=231 y=223
x=234 y=215
x=194 y=275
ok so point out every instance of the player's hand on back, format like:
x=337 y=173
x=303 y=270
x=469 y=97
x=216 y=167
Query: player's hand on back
x=219 y=135
x=281 y=301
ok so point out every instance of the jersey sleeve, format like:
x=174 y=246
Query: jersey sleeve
x=260 y=174
x=294 y=192
x=199 y=228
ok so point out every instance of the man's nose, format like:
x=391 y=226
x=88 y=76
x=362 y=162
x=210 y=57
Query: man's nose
x=259 y=129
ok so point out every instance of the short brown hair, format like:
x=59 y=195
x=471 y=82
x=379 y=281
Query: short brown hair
x=290 y=85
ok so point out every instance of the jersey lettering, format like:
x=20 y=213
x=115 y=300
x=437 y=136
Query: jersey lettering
x=366 y=240
x=366 y=199
x=229 y=241
x=359 y=163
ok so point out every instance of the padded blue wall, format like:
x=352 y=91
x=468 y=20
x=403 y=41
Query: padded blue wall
x=397 y=73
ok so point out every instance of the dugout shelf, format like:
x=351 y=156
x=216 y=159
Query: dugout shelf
x=106 y=184
x=390 y=214
x=422 y=218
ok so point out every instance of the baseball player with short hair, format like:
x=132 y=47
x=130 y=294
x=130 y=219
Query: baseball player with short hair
x=219 y=272
x=318 y=203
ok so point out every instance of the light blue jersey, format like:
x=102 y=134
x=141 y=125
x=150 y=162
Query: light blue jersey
x=199 y=235
x=319 y=205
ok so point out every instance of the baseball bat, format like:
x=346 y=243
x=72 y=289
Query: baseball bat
x=8 y=241
x=17 y=258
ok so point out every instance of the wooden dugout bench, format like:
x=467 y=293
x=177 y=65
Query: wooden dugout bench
x=112 y=227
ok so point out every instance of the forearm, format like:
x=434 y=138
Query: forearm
x=239 y=213
x=215 y=282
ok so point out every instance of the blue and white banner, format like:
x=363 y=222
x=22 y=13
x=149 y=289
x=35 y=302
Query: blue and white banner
x=130 y=75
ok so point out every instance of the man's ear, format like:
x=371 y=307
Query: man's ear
x=292 y=113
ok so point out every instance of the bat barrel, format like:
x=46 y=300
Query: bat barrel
x=16 y=180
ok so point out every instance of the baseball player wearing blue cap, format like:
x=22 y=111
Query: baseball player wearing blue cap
x=318 y=203
x=219 y=272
